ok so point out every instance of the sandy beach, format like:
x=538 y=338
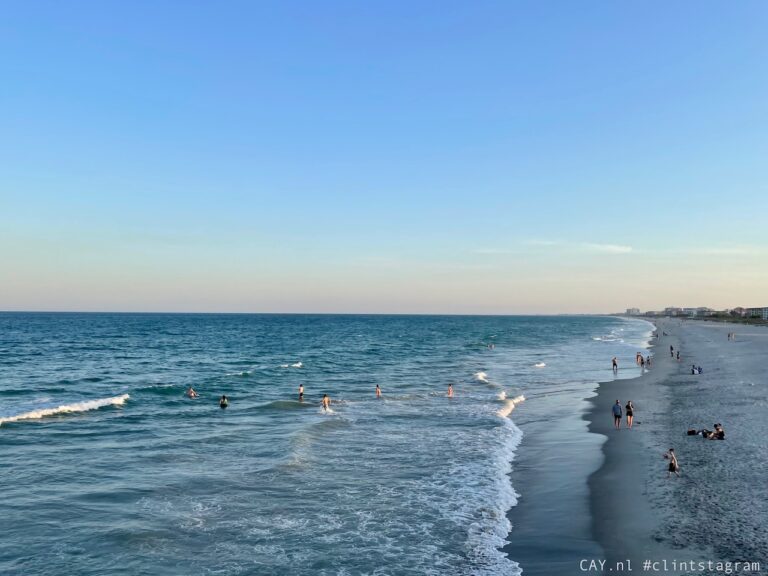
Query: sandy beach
x=591 y=493
x=713 y=511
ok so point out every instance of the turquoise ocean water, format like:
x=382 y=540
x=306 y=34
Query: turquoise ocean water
x=109 y=469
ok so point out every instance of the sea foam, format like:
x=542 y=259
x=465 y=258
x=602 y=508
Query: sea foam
x=67 y=408
x=509 y=405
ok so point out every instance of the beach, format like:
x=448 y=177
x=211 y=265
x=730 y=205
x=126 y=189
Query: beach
x=713 y=511
x=592 y=494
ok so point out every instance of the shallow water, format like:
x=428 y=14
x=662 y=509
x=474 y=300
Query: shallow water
x=413 y=483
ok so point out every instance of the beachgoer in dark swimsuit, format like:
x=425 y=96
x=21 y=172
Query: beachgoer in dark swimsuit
x=630 y=409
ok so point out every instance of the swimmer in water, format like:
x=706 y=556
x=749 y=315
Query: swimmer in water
x=191 y=392
x=224 y=402
x=450 y=390
x=326 y=402
x=378 y=391
x=301 y=392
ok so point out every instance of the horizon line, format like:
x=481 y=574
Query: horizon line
x=309 y=313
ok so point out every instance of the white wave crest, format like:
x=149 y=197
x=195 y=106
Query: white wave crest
x=296 y=365
x=509 y=405
x=66 y=408
x=540 y=365
x=502 y=395
x=481 y=377
x=241 y=373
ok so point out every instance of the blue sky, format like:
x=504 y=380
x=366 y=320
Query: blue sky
x=458 y=157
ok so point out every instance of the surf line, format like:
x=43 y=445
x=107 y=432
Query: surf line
x=67 y=408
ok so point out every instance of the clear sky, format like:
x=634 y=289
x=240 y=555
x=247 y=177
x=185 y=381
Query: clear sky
x=393 y=156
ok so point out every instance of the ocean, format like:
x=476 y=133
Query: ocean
x=108 y=468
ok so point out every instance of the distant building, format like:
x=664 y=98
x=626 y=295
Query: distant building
x=633 y=311
x=739 y=311
x=673 y=311
x=758 y=313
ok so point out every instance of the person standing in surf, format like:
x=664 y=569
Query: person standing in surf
x=615 y=363
x=450 y=390
x=301 y=392
x=378 y=391
x=224 y=402
x=617 y=415
x=326 y=402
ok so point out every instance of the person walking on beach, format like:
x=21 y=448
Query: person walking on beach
x=678 y=355
x=630 y=414
x=671 y=351
x=615 y=365
x=378 y=391
x=301 y=392
x=642 y=363
x=674 y=465
x=450 y=390
x=648 y=361
x=326 y=403
x=617 y=415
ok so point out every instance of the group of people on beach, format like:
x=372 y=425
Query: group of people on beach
x=630 y=411
x=642 y=362
x=731 y=335
x=717 y=434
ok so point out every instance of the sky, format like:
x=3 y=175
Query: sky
x=506 y=157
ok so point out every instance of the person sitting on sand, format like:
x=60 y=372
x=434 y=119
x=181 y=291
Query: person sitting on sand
x=717 y=434
x=674 y=466
x=191 y=392
x=326 y=402
x=617 y=415
x=224 y=402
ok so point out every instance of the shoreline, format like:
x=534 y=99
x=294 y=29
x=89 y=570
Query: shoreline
x=638 y=513
x=624 y=520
